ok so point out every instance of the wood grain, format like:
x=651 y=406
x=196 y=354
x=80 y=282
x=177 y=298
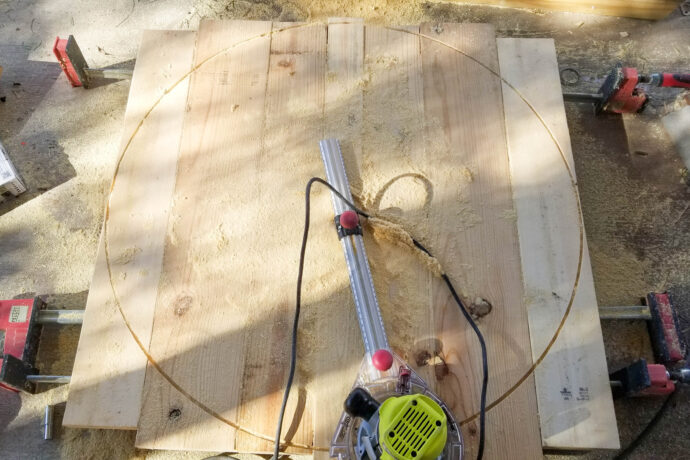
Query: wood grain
x=251 y=141
x=573 y=393
x=394 y=186
x=109 y=368
x=292 y=124
x=336 y=332
x=475 y=239
x=203 y=313
x=641 y=9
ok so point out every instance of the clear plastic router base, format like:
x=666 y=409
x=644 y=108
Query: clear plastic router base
x=383 y=385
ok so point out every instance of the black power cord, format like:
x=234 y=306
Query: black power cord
x=485 y=363
x=298 y=305
x=625 y=453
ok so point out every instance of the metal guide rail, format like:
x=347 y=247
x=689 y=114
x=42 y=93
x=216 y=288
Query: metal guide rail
x=391 y=412
x=368 y=313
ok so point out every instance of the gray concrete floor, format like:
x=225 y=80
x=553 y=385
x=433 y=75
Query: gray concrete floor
x=64 y=141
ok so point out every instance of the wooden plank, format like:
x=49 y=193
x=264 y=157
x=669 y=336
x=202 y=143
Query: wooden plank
x=574 y=398
x=293 y=124
x=374 y=106
x=475 y=238
x=336 y=328
x=641 y=9
x=394 y=186
x=201 y=318
x=108 y=375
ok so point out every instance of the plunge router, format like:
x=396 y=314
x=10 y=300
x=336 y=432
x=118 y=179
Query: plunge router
x=391 y=413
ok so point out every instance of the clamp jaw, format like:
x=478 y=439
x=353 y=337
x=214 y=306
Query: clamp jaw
x=620 y=92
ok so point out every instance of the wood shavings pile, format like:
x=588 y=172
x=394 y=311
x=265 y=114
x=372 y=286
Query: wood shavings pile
x=386 y=231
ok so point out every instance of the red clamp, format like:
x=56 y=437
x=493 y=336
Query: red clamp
x=60 y=51
x=660 y=383
x=627 y=98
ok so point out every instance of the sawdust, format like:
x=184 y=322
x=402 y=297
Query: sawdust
x=480 y=308
x=618 y=274
x=127 y=256
x=385 y=231
x=222 y=240
x=93 y=444
x=509 y=214
x=467 y=172
x=402 y=168
x=631 y=251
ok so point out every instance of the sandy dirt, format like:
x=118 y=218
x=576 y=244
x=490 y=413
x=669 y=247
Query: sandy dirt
x=64 y=142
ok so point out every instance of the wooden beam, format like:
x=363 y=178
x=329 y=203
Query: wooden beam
x=109 y=368
x=293 y=122
x=336 y=333
x=201 y=318
x=475 y=238
x=394 y=187
x=575 y=406
x=641 y=9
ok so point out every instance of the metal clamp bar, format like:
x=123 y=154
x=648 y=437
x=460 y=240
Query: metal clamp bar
x=583 y=97
x=48 y=422
x=361 y=282
x=57 y=379
x=625 y=312
x=108 y=74
x=60 y=316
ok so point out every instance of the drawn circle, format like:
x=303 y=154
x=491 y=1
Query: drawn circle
x=249 y=431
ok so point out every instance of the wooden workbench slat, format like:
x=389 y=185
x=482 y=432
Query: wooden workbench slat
x=293 y=122
x=475 y=239
x=335 y=325
x=394 y=187
x=641 y=9
x=108 y=375
x=573 y=393
x=203 y=313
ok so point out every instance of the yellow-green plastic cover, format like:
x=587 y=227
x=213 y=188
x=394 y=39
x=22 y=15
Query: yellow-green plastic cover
x=412 y=427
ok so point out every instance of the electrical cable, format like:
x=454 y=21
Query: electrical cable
x=298 y=305
x=480 y=337
x=647 y=429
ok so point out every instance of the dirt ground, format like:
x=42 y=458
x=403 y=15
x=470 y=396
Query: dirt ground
x=64 y=141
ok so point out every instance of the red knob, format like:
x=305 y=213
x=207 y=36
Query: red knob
x=349 y=220
x=382 y=360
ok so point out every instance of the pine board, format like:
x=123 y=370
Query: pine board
x=641 y=9
x=475 y=240
x=108 y=375
x=335 y=328
x=199 y=344
x=573 y=392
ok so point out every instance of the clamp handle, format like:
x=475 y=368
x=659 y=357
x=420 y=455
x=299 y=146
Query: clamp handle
x=676 y=80
x=671 y=80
